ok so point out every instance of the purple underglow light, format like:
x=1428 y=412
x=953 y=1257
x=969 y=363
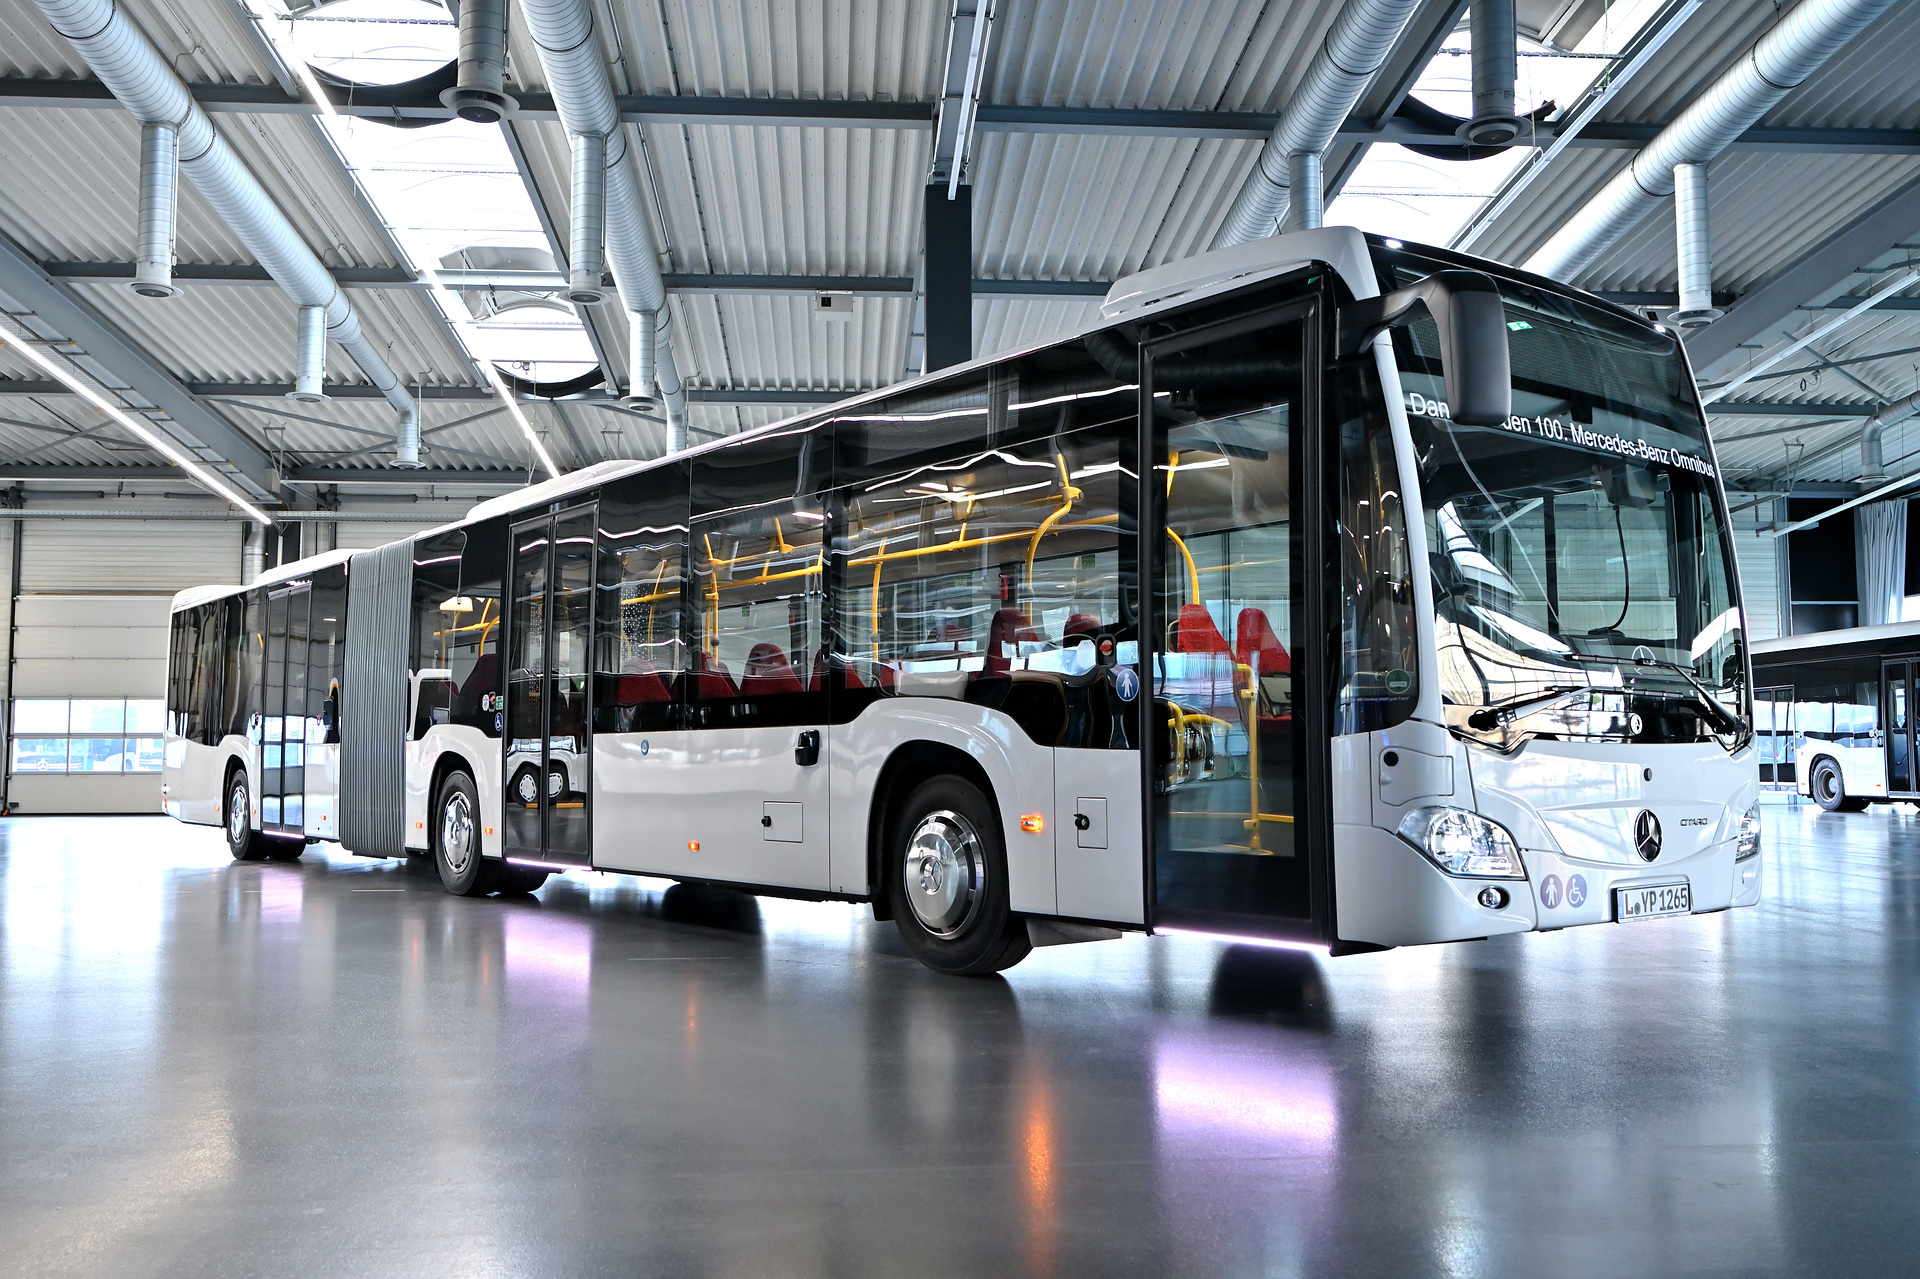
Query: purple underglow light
x=1207 y=1089
x=1271 y=943
x=555 y=953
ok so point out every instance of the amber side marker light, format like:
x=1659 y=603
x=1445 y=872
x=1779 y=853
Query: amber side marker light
x=1032 y=823
x=693 y=845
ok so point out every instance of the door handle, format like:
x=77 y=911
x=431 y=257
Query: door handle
x=806 y=749
x=1082 y=822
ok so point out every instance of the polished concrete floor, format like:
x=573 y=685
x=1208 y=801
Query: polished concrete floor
x=333 y=1068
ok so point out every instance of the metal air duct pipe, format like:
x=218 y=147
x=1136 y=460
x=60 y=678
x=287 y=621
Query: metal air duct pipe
x=1784 y=57
x=147 y=85
x=642 y=343
x=481 y=95
x=1307 y=190
x=1873 y=463
x=159 y=208
x=1359 y=42
x=1495 y=47
x=310 y=373
x=585 y=249
x=1696 y=253
x=577 y=77
x=406 y=445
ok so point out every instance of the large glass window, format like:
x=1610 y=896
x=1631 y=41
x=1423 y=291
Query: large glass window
x=641 y=654
x=1378 y=683
x=1582 y=579
x=88 y=734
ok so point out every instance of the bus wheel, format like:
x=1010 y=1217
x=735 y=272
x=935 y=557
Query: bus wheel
x=456 y=839
x=245 y=843
x=1830 y=790
x=947 y=882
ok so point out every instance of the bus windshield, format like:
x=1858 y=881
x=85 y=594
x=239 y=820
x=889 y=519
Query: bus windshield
x=1581 y=566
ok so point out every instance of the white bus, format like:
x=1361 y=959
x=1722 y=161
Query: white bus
x=1834 y=714
x=1327 y=592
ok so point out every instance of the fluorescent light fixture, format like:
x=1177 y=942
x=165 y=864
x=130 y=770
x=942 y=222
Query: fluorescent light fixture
x=61 y=372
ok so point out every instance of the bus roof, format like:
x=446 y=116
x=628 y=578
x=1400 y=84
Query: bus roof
x=1791 y=644
x=285 y=573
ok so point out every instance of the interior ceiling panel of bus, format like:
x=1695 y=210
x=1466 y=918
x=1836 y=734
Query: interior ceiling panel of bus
x=784 y=153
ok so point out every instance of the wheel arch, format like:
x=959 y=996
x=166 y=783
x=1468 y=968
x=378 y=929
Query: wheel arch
x=911 y=763
x=236 y=764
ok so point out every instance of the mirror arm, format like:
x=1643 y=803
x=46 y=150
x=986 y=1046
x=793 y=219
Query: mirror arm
x=1464 y=306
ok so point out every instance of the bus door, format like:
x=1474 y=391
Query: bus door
x=1773 y=725
x=1897 y=715
x=548 y=751
x=284 y=711
x=1237 y=782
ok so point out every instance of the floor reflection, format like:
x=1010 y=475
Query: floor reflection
x=331 y=1066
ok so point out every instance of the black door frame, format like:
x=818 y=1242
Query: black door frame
x=1906 y=666
x=1313 y=820
x=288 y=591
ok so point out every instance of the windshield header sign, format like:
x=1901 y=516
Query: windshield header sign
x=1556 y=431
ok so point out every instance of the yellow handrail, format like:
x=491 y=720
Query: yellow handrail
x=1193 y=574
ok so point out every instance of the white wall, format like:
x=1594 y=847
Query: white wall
x=1758 y=555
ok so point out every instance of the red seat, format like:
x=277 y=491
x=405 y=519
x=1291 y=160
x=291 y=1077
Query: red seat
x=635 y=688
x=769 y=671
x=1196 y=632
x=1080 y=624
x=1003 y=640
x=1253 y=637
x=712 y=679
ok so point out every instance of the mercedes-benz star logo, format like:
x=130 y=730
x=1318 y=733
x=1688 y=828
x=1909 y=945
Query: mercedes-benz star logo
x=1646 y=835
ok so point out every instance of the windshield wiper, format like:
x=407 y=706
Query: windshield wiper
x=1487 y=718
x=1719 y=714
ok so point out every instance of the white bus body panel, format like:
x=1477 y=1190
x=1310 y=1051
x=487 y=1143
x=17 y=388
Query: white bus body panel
x=192 y=777
x=322 y=776
x=481 y=755
x=1099 y=872
x=1020 y=771
x=723 y=788
x=1863 y=769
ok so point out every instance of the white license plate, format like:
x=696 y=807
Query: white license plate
x=1651 y=903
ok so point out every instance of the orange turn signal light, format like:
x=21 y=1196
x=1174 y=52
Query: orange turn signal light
x=693 y=845
x=1032 y=823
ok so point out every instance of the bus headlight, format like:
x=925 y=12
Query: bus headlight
x=1747 y=842
x=1463 y=843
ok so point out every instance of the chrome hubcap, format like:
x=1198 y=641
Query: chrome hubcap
x=945 y=872
x=528 y=788
x=237 y=813
x=456 y=832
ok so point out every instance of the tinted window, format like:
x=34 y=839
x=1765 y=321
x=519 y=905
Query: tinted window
x=473 y=653
x=641 y=649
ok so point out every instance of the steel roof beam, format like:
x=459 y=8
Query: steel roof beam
x=123 y=366
x=1813 y=278
x=462 y=394
x=245 y=99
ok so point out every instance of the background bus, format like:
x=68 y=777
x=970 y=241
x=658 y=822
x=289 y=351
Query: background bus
x=1833 y=711
x=1363 y=682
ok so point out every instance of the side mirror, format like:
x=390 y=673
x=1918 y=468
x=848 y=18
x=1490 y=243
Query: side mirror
x=1466 y=308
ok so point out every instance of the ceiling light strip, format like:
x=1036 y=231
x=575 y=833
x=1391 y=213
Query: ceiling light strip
x=61 y=371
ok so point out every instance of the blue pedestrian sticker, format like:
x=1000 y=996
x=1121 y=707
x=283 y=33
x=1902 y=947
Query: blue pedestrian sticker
x=1550 y=891
x=645 y=746
x=1126 y=683
x=1577 y=891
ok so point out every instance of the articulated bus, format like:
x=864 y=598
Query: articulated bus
x=1327 y=592
x=1835 y=714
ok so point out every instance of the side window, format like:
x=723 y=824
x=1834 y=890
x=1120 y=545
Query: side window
x=1377 y=683
x=183 y=647
x=324 y=654
x=759 y=574
x=207 y=667
x=473 y=649
x=641 y=653
x=439 y=610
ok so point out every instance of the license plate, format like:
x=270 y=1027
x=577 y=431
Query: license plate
x=1651 y=903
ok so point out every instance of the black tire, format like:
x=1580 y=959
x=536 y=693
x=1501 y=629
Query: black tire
x=946 y=878
x=1829 y=788
x=243 y=841
x=525 y=786
x=455 y=836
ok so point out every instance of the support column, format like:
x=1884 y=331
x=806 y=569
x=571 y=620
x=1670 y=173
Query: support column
x=949 y=273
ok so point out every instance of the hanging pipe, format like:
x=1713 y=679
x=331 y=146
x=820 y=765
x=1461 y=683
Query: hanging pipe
x=480 y=95
x=159 y=206
x=1358 y=43
x=1495 y=50
x=1873 y=462
x=309 y=378
x=406 y=445
x=1796 y=47
x=583 y=94
x=1696 y=307
x=1307 y=191
x=586 y=253
x=642 y=343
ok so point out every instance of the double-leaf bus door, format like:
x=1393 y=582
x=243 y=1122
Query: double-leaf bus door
x=547 y=742
x=284 y=715
x=1236 y=772
x=1897 y=715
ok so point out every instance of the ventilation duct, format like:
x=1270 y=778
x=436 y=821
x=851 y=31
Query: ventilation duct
x=159 y=209
x=310 y=374
x=406 y=445
x=146 y=84
x=1873 y=463
x=577 y=78
x=1359 y=42
x=1495 y=48
x=1784 y=57
x=1696 y=253
x=480 y=95
x=585 y=252
x=1307 y=188
x=642 y=344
